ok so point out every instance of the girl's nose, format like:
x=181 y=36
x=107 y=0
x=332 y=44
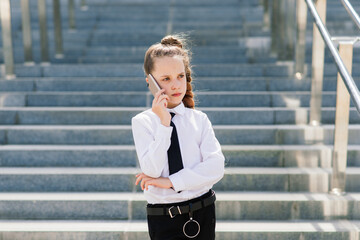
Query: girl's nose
x=176 y=84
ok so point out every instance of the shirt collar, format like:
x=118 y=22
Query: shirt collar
x=179 y=109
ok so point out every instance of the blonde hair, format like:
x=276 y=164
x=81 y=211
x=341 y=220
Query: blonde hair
x=172 y=45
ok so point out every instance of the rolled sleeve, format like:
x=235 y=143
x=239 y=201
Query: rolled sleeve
x=151 y=145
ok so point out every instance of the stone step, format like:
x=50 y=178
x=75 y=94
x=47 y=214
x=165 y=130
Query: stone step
x=98 y=27
x=183 y=13
x=200 y=30
x=74 y=53
x=123 y=115
x=42 y=179
x=142 y=99
x=107 y=37
x=75 y=49
x=79 y=59
x=68 y=156
x=200 y=40
x=135 y=70
x=134 y=230
x=122 y=135
x=239 y=206
x=85 y=23
x=201 y=51
x=307 y=156
x=196 y=60
x=74 y=39
x=117 y=70
x=86 y=84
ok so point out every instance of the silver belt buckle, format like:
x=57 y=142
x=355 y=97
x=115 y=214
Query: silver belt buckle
x=170 y=213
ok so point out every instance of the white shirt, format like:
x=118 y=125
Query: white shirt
x=200 y=151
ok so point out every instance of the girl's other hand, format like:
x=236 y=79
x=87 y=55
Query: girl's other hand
x=147 y=181
x=159 y=106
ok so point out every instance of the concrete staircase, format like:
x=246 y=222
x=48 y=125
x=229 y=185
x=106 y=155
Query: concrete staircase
x=67 y=159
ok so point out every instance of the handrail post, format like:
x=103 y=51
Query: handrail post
x=317 y=68
x=281 y=45
x=59 y=52
x=282 y=25
x=339 y=157
x=300 y=49
x=274 y=26
x=43 y=32
x=84 y=7
x=5 y=14
x=290 y=25
x=71 y=8
x=266 y=15
x=26 y=29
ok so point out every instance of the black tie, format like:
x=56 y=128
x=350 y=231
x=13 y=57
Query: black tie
x=174 y=154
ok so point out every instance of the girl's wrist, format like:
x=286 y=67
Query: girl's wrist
x=165 y=118
x=165 y=123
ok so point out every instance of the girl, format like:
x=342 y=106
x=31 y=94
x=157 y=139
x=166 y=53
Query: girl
x=179 y=155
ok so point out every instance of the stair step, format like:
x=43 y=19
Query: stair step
x=142 y=99
x=122 y=134
x=122 y=179
x=237 y=206
x=135 y=70
x=123 y=115
x=307 y=156
x=124 y=84
x=68 y=156
x=134 y=230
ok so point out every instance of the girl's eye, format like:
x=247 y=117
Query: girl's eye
x=181 y=75
x=166 y=79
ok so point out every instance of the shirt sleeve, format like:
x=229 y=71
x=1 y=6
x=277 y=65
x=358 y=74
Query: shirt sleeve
x=151 y=145
x=209 y=171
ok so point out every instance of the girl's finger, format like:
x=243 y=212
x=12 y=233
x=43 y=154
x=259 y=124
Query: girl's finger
x=143 y=182
x=161 y=99
x=159 y=93
x=164 y=97
x=138 y=179
x=148 y=183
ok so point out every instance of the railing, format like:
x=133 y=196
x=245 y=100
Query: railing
x=5 y=14
x=346 y=86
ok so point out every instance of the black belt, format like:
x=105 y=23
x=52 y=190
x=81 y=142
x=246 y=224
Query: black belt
x=176 y=210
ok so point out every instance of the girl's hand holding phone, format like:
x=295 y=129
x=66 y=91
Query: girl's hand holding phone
x=159 y=106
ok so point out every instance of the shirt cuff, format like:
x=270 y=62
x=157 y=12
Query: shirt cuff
x=177 y=181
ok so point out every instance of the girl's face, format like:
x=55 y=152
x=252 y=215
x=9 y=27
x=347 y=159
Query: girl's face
x=169 y=72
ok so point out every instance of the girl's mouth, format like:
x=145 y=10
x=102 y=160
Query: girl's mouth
x=176 y=94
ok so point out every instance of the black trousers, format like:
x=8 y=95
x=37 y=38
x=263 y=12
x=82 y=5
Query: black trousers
x=167 y=228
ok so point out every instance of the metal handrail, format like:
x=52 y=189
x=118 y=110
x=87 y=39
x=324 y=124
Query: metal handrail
x=353 y=14
x=348 y=80
x=346 y=88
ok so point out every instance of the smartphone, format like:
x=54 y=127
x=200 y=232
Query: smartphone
x=153 y=85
